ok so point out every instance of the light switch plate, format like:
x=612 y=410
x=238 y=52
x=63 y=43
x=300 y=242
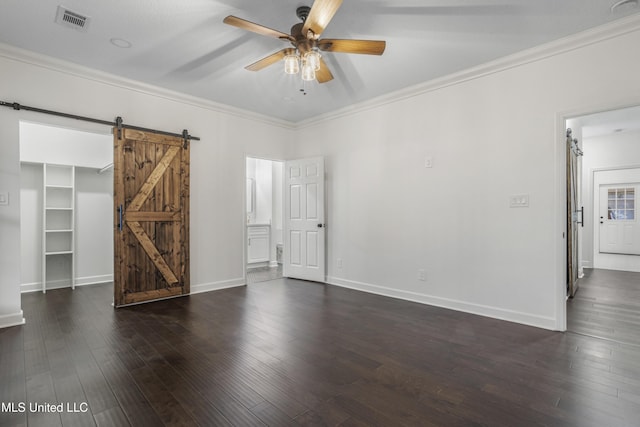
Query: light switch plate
x=4 y=198
x=519 y=201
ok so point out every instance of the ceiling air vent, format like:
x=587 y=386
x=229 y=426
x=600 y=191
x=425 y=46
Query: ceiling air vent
x=72 y=19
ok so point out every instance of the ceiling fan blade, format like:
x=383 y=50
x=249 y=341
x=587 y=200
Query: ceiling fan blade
x=268 y=60
x=256 y=28
x=323 y=75
x=319 y=16
x=366 y=47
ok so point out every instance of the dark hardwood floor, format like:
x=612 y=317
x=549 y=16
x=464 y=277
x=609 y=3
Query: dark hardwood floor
x=288 y=352
x=607 y=305
x=263 y=274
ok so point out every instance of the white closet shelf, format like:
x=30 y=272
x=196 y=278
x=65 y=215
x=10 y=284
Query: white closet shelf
x=59 y=186
x=58 y=218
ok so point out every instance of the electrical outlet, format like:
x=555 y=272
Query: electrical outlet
x=428 y=162
x=4 y=198
x=422 y=275
x=339 y=262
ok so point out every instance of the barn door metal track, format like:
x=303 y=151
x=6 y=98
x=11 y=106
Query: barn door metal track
x=116 y=123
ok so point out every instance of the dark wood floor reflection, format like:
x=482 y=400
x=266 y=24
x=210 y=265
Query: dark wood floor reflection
x=263 y=274
x=288 y=352
x=607 y=305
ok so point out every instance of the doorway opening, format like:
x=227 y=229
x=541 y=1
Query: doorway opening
x=66 y=207
x=607 y=304
x=264 y=219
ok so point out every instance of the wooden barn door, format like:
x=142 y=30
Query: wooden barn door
x=151 y=195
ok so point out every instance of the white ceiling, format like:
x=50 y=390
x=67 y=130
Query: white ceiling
x=184 y=45
x=608 y=122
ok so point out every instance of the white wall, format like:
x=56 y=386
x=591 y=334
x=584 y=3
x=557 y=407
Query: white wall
x=276 y=225
x=217 y=161
x=497 y=134
x=94 y=226
x=10 y=308
x=65 y=146
x=260 y=171
x=31 y=226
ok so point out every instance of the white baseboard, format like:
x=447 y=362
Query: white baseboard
x=258 y=265
x=216 y=286
x=482 y=310
x=84 y=281
x=273 y=264
x=14 y=319
x=37 y=286
x=59 y=284
x=94 y=280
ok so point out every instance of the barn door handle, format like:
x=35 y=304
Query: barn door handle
x=120 y=218
x=581 y=222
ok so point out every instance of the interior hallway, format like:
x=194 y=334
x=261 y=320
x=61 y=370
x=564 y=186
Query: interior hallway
x=607 y=305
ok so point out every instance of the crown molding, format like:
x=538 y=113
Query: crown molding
x=566 y=44
x=576 y=41
x=43 y=61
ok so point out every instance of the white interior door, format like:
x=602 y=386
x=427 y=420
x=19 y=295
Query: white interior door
x=304 y=228
x=619 y=230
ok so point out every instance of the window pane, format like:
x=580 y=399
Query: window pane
x=621 y=204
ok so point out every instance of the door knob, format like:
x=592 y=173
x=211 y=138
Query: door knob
x=320 y=225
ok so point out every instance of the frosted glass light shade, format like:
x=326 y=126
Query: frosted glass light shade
x=313 y=58
x=308 y=73
x=291 y=64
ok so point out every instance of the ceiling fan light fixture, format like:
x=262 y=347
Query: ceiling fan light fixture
x=291 y=63
x=313 y=58
x=308 y=72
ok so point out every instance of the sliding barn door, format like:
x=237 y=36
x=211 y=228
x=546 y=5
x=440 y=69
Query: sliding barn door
x=574 y=213
x=151 y=186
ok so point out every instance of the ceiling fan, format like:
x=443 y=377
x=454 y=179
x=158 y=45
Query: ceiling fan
x=306 y=42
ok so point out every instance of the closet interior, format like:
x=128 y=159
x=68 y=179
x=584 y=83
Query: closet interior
x=66 y=207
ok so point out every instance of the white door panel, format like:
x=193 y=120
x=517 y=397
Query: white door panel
x=304 y=219
x=619 y=230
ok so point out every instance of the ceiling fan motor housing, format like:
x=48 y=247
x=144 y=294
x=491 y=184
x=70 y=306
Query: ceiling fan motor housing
x=302 y=12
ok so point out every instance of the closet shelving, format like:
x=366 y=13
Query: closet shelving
x=58 y=216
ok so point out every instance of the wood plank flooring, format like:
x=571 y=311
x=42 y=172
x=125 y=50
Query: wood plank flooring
x=263 y=274
x=607 y=305
x=289 y=352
